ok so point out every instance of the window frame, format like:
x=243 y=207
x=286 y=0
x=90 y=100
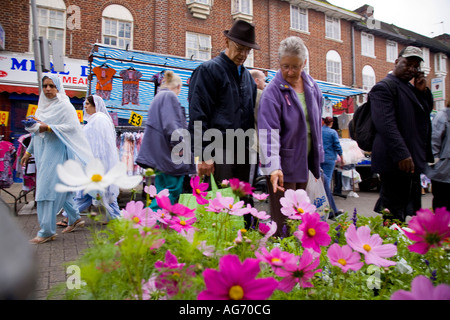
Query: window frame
x=368 y=73
x=198 y=42
x=335 y=59
x=335 y=27
x=118 y=21
x=367 y=44
x=238 y=10
x=41 y=6
x=392 y=55
x=299 y=15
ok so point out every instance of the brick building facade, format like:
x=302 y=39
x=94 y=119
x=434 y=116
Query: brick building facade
x=337 y=39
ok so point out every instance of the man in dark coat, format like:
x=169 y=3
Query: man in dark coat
x=222 y=96
x=402 y=145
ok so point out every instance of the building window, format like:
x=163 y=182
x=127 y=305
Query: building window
x=117 y=28
x=332 y=28
x=367 y=44
x=242 y=9
x=51 y=18
x=198 y=46
x=440 y=63
x=368 y=76
x=299 y=18
x=391 y=51
x=334 y=67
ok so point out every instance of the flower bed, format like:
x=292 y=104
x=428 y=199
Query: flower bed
x=202 y=253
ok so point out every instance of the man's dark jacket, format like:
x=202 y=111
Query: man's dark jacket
x=403 y=127
x=220 y=98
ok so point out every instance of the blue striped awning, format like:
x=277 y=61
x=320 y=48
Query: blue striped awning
x=150 y=64
x=330 y=91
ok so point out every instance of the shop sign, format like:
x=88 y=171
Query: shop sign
x=31 y=110
x=437 y=88
x=135 y=119
x=4 y=116
x=20 y=69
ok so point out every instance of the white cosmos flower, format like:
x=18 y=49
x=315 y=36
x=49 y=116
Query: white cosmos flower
x=93 y=177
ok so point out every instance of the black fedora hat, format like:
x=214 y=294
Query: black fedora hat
x=243 y=33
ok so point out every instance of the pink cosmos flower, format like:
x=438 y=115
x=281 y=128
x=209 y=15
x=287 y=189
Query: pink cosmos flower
x=236 y=281
x=240 y=188
x=344 y=257
x=430 y=229
x=262 y=215
x=198 y=190
x=171 y=272
x=178 y=225
x=177 y=208
x=151 y=190
x=312 y=232
x=230 y=207
x=135 y=211
x=268 y=229
x=260 y=196
x=225 y=183
x=422 y=289
x=301 y=273
x=215 y=205
x=370 y=245
x=148 y=288
x=296 y=203
x=276 y=257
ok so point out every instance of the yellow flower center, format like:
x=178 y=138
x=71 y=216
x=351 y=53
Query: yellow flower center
x=311 y=232
x=236 y=293
x=300 y=210
x=136 y=219
x=275 y=260
x=197 y=191
x=342 y=261
x=367 y=247
x=176 y=274
x=231 y=206
x=243 y=230
x=183 y=223
x=96 y=178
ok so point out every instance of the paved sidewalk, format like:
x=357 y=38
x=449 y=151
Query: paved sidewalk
x=52 y=258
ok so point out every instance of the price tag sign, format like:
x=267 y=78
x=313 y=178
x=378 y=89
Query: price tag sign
x=135 y=119
x=31 y=109
x=4 y=115
x=80 y=115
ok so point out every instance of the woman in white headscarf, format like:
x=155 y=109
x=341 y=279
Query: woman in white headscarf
x=101 y=134
x=56 y=137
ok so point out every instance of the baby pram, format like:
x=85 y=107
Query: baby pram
x=27 y=173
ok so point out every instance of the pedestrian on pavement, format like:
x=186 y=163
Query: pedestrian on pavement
x=402 y=145
x=290 y=112
x=222 y=96
x=166 y=116
x=439 y=171
x=57 y=136
x=260 y=80
x=331 y=147
x=101 y=135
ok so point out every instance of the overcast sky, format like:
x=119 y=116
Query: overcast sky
x=427 y=17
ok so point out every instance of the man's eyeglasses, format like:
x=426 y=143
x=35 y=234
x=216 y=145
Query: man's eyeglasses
x=242 y=49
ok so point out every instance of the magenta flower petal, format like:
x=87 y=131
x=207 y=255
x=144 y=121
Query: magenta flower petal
x=313 y=232
x=422 y=289
x=430 y=229
x=236 y=281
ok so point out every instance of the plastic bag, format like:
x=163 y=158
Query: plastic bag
x=317 y=194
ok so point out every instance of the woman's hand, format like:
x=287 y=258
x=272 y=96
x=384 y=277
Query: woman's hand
x=277 y=181
x=25 y=159
x=205 y=168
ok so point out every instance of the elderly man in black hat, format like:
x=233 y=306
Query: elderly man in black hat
x=222 y=96
x=401 y=105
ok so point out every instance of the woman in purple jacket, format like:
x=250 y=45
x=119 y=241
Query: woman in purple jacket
x=290 y=127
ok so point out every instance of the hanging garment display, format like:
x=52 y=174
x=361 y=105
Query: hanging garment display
x=104 y=76
x=130 y=92
x=7 y=151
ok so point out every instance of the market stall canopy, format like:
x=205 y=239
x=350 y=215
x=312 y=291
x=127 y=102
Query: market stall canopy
x=150 y=66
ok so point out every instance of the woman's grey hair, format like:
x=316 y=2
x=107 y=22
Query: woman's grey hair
x=292 y=46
